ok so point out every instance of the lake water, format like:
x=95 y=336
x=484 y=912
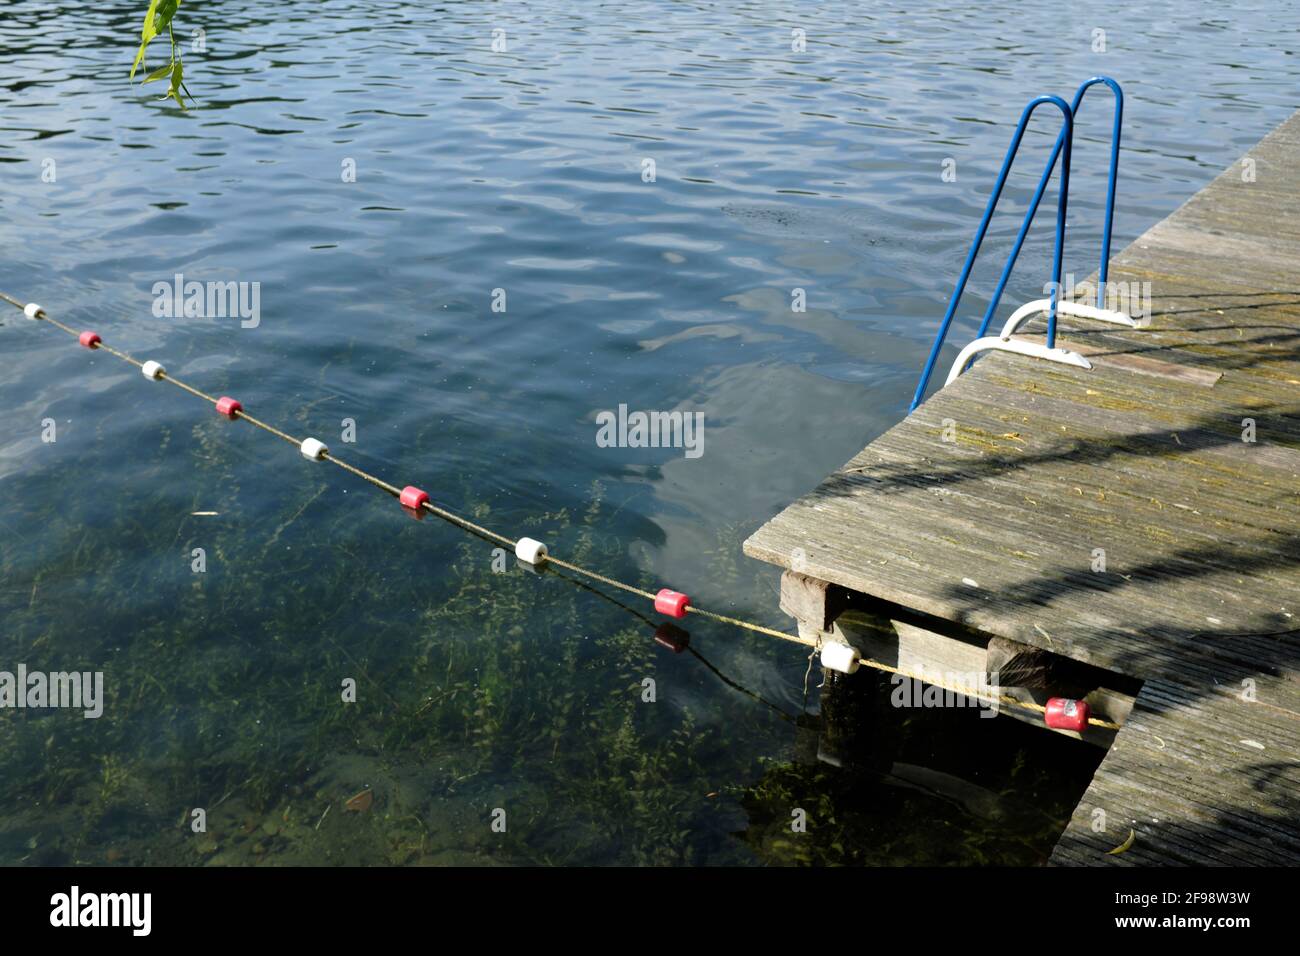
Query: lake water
x=518 y=177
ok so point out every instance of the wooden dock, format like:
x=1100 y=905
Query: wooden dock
x=1131 y=531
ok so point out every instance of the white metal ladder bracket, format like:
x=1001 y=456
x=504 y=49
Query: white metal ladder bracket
x=1076 y=309
x=993 y=343
x=1005 y=343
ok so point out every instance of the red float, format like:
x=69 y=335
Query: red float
x=89 y=339
x=413 y=498
x=672 y=603
x=1065 y=714
x=228 y=406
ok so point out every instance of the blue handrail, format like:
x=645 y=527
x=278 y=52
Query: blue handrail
x=1042 y=187
x=1067 y=135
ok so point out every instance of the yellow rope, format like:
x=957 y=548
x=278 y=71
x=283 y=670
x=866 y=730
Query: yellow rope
x=976 y=693
x=551 y=559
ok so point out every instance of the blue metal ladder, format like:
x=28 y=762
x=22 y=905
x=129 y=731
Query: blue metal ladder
x=1004 y=341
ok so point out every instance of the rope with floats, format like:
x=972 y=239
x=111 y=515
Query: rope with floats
x=1058 y=712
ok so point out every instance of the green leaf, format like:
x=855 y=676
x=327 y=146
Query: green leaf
x=1124 y=847
x=174 y=91
x=147 y=33
x=166 y=10
x=159 y=73
x=139 y=57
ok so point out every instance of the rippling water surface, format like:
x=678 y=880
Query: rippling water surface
x=522 y=171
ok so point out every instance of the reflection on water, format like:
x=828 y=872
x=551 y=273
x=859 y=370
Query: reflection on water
x=518 y=171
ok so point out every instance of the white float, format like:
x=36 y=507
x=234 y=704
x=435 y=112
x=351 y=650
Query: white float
x=313 y=448
x=530 y=550
x=838 y=656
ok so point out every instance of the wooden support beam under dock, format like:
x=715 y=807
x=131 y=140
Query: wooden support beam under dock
x=1141 y=518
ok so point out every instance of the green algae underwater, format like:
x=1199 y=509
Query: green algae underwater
x=477 y=691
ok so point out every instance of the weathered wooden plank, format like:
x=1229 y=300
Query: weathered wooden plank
x=1132 y=362
x=1196 y=791
x=1011 y=583
x=811 y=601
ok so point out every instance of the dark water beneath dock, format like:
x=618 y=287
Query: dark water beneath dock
x=518 y=171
